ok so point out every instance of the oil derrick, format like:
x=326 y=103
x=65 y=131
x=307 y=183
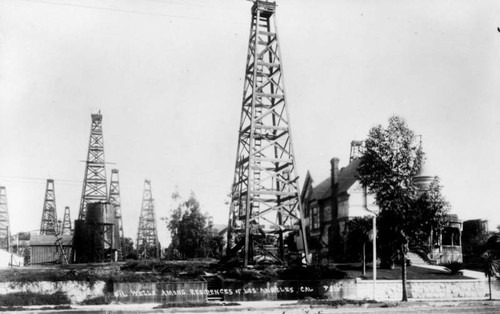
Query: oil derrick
x=265 y=189
x=4 y=220
x=147 y=236
x=357 y=150
x=94 y=184
x=114 y=199
x=48 y=225
x=66 y=225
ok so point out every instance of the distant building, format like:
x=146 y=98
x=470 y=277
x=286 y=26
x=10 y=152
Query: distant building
x=475 y=233
x=44 y=249
x=447 y=247
x=20 y=244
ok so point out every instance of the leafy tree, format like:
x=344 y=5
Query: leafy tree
x=188 y=230
x=408 y=214
x=128 y=249
x=491 y=258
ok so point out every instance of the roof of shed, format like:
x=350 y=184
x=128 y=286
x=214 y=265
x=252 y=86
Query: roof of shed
x=49 y=240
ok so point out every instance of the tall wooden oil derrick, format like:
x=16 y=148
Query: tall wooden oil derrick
x=48 y=226
x=147 y=235
x=4 y=220
x=115 y=200
x=357 y=149
x=94 y=184
x=265 y=206
x=66 y=224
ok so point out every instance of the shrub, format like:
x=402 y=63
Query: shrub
x=454 y=267
x=29 y=298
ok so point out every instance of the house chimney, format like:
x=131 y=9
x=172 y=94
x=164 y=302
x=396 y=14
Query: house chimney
x=334 y=177
x=334 y=170
x=334 y=234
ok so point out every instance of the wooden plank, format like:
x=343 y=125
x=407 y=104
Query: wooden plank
x=287 y=160
x=267 y=33
x=269 y=95
x=268 y=64
x=273 y=193
x=270 y=127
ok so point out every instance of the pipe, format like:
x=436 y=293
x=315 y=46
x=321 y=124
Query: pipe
x=365 y=204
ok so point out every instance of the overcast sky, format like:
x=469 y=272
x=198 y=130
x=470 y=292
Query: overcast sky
x=167 y=76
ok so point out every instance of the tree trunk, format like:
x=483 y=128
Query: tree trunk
x=403 y=272
x=364 y=259
x=489 y=285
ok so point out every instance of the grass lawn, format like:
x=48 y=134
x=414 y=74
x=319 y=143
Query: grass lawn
x=413 y=272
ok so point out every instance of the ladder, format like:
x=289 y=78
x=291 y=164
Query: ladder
x=59 y=242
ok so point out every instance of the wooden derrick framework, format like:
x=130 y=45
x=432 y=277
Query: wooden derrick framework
x=48 y=225
x=94 y=185
x=265 y=189
x=4 y=220
x=66 y=225
x=147 y=235
x=115 y=200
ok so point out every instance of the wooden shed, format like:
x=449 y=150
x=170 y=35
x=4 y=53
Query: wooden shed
x=45 y=250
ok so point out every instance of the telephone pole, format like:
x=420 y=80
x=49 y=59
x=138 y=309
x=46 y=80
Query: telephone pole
x=4 y=220
x=115 y=200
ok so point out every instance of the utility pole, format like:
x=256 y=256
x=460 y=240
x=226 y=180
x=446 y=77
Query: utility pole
x=4 y=220
x=115 y=200
x=374 y=247
x=265 y=197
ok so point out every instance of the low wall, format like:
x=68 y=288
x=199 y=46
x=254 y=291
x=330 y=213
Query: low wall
x=197 y=291
x=423 y=289
x=287 y=290
x=234 y=291
x=77 y=291
x=159 y=292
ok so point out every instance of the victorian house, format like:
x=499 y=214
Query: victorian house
x=329 y=204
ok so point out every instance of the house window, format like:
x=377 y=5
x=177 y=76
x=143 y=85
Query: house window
x=327 y=214
x=451 y=236
x=315 y=217
x=306 y=210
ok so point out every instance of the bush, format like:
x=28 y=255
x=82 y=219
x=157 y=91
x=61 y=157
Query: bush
x=453 y=267
x=29 y=298
x=105 y=299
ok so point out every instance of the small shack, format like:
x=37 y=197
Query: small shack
x=44 y=249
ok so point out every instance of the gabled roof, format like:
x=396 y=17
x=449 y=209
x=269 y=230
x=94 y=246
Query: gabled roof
x=347 y=177
x=49 y=240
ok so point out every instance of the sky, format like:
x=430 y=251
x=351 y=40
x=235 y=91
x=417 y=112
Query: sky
x=167 y=76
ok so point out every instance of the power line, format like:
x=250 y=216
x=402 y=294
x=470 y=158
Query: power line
x=133 y=11
x=184 y=3
x=39 y=180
